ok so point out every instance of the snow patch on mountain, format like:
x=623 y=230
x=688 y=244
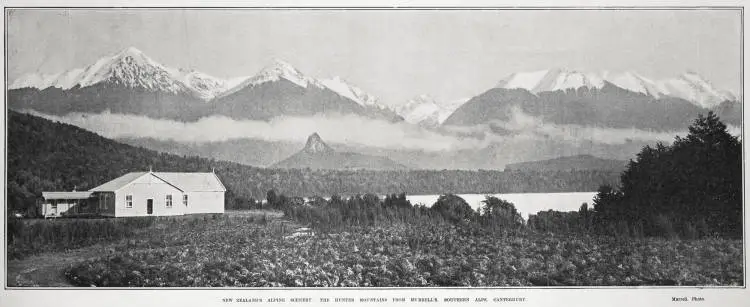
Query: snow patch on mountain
x=345 y=89
x=425 y=111
x=205 y=85
x=689 y=86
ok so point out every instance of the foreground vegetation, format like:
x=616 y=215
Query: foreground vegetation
x=28 y=237
x=239 y=252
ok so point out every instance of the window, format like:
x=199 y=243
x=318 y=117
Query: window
x=128 y=201
x=184 y=200
x=54 y=206
x=169 y=201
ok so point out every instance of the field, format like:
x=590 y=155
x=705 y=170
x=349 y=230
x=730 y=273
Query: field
x=261 y=250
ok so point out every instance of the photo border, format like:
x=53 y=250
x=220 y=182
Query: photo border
x=379 y=8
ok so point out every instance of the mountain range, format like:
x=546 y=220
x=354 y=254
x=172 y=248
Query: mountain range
x=689 y=86
x=318 y=155
x=521 y=118
x=130 y=82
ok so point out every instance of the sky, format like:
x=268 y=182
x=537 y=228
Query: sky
x=395 y=55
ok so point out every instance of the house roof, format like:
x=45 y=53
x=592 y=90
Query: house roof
x=194 y=182
x=118 y=182
x=187 y=182
x=66 y=195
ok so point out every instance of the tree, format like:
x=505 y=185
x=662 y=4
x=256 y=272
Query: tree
x=690 y=188
x=499 y=212
x=453 y=208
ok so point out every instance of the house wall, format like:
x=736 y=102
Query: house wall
x=144 y=188
x=204 y=202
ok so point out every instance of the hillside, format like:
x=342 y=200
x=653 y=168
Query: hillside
x=579 y=162
x=318 y=155
x=47 y=155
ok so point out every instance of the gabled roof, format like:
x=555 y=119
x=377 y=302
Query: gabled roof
x=187 y=182
x=194 y=182
x=66 y=195
x=118 y=182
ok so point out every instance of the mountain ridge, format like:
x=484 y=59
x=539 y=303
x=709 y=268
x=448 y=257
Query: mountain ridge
x=608 y=107
x=106 y=85
x=688 y=86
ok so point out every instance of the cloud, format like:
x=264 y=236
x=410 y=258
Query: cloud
x=346 y=129
x=355 y=130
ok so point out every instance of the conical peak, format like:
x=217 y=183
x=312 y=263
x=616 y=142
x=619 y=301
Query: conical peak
x=315 y=144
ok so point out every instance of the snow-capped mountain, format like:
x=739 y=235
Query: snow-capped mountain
x=611 y=100
x=130 y=68
x=281 y=89
x=426 y=111
x=689 y=86
x=278 y=70
x=206 y=86
x=281 y=69
x=129 y=82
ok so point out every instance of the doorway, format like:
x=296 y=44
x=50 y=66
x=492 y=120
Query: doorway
x=149 y=206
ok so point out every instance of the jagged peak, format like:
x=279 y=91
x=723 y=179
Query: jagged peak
x=315 y=144
x=279 y=69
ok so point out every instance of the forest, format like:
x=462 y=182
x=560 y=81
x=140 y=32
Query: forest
x=49 y=156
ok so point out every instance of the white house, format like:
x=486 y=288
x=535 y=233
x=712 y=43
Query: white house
x=148 y=194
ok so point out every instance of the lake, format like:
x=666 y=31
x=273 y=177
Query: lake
x=526 y=203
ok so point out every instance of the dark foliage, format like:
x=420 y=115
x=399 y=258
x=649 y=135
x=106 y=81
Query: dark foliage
x=454 y=209
x=692 y=188
x=550 y=221
x=500 y=214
